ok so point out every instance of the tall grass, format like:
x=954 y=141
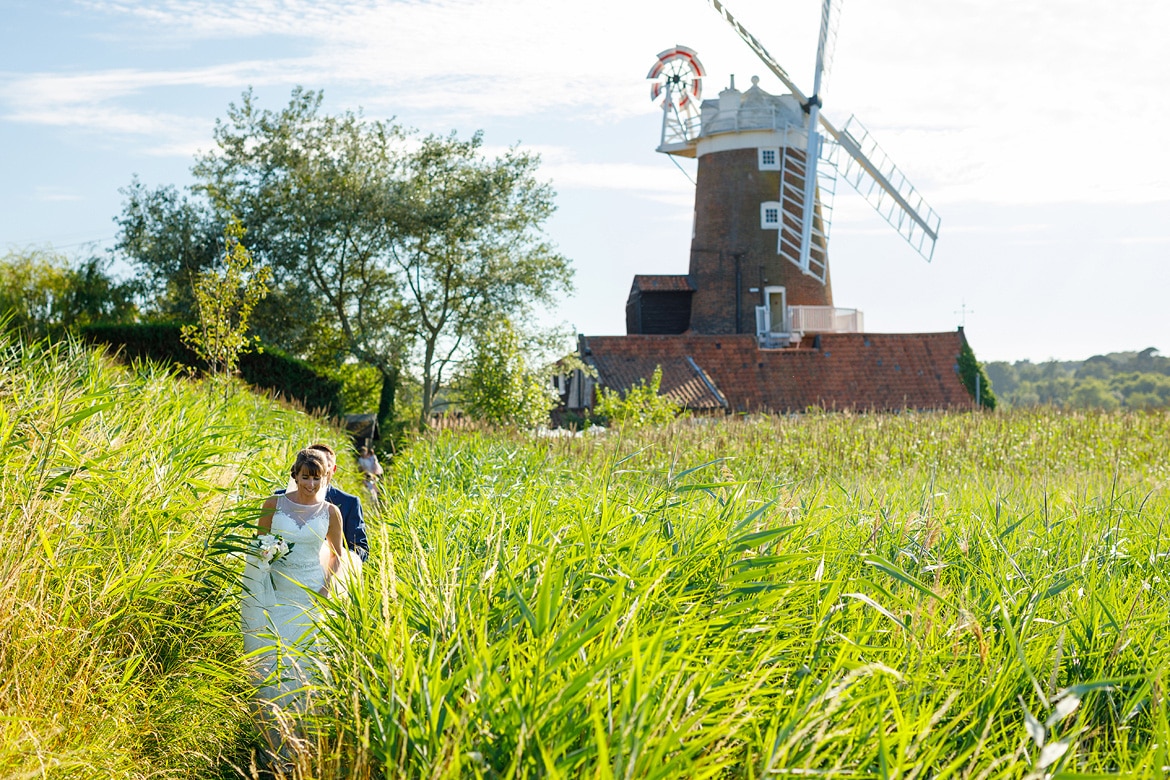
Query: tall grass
x=952 y=596
x=119 y=649
x=872 y=596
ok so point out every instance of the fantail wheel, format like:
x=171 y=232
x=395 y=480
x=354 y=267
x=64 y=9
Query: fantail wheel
x=677 y=78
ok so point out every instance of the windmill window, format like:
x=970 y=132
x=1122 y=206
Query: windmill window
x=769 y=159
x=770 y=215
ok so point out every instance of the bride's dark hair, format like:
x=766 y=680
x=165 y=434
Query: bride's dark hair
x=312 y=461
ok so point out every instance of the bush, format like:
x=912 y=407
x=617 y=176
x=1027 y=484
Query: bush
x=500 y=387
x=43 y=293
x=971 y=369
x=641 y=405
x=269 y=369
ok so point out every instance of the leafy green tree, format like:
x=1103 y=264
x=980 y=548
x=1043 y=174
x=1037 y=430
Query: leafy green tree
x=500 y=387
x=640 y=406
x=224 y=300
x=1092 y=393
x=171 y=238
x=44 y=293
x=1050 y=390
x=315 y=189
x=1141 y=390
x=1003 y=377
x=1144 y=401
x=467 y=248
x=398 y=249
x=1098 y=366
x=1138 y=380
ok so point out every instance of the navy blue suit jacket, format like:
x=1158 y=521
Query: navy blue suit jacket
x=352 y=524
x=351 y=520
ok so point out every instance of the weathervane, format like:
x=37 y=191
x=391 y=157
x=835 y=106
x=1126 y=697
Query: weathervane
x=963 y=311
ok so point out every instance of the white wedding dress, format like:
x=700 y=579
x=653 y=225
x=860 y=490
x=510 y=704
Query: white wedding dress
x=280 y=601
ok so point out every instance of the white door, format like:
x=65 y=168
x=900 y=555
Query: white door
x=777 y=308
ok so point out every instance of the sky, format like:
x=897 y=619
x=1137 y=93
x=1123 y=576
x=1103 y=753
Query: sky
x=1033 y=128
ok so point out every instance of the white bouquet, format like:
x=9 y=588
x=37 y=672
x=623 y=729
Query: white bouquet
x=268 y=549
x=271 y=548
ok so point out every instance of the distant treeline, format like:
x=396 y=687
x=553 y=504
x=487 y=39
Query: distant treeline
x=1130 y=380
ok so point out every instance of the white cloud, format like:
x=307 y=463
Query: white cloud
x=117 y=102
x=998 y=101
x=216 y=19
x=105 y=85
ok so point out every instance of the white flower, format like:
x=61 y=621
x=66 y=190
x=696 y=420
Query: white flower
x=271 y=548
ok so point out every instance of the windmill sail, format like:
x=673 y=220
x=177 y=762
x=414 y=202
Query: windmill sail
x=759 y=49
x=868 y=169
x=813 y=152
x=827 y=42
x=794 y=175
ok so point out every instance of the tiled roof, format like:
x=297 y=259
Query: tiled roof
x=662 y=283
x=682 y=380
x=877 y=371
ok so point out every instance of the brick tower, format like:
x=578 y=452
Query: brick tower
x=752 y=326
x=746 y=142
x=744 y=272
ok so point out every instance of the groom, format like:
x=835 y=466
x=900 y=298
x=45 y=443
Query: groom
x=351 y=506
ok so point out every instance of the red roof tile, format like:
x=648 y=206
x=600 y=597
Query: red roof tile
x=877 y=371
x=682 y=379
x=662 y=283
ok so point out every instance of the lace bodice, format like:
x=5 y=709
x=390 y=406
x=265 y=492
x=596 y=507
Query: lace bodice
x=304 y=527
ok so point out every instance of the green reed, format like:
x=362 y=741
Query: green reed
x=119 y=654
x=916 y=595
x=870 y=596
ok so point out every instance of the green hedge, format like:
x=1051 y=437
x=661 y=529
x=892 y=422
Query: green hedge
x=267 y=370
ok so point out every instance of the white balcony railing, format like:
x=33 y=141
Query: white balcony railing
x=826 y=319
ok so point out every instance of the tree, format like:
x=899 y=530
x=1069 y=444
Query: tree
x=399 y=248
x=45 y=293
x=313 y=189
x=171 y=238
x=1092 y=393
x=500 y=387
x=467 y=247
x=224 y=300
x=1098 y=367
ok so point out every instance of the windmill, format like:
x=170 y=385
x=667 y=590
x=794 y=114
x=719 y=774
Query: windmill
x=865 y=167
x=752 y=324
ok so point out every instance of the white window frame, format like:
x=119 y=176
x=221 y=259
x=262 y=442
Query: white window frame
x=764 y=208
x=774 y=165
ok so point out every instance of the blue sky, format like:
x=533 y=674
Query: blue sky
x=1033 y=128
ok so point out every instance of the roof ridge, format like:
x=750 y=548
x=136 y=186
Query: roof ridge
x=707 y=381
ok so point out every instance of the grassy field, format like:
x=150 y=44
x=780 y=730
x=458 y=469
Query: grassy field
x=119 y=652
x=967 y=596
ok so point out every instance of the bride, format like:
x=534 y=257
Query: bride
x=290 y=565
